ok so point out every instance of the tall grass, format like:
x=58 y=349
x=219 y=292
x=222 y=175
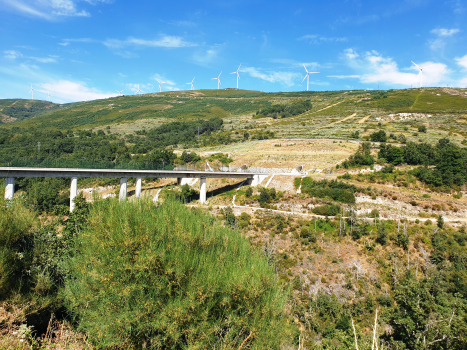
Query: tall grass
x=173 y=278
x=16 y=224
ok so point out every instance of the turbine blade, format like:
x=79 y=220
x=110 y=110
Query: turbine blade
x=233 y=73
x=305 y=67
x=416 y=64
x=304 y=78
x=239 y=67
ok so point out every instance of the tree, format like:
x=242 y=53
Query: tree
x=172 y=278
x=440 y=221
x=422 y=128
x=379 y=136
x=264 y=195
x=382 y=235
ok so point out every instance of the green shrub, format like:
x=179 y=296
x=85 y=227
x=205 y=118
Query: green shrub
x=336 y=190
x=379 y=136
x=173 y=278
x=296 y=182
x=382 y=235
x=16 y=223
x=327 y=210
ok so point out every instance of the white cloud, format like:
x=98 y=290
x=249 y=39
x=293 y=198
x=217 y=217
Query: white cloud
x=50 y=9
x=445 y=32
x=63 y=8
x=462 y=61
x=318 y=39
x=163 y=79
x=205 y=57
x=25 y=9
x=344 y=76
x=12 y=54
x=437 y=45
x=70 y=91
x=286 y=78
x=374 y=68
x=145 y=88
x=44 y=59
x=290 y=63
x=163 y=41
x=351 y=54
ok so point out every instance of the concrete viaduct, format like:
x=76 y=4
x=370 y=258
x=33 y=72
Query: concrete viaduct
x=11 y=172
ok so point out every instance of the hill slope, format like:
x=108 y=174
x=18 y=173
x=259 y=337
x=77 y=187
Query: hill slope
x=333 y=115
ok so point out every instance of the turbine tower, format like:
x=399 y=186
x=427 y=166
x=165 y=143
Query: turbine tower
x=238 y=75
x=218 y=80
x=120 y=92
x=160 y=84
x=307 y=77
x=191 y=83
x=137 y=92
x=420 y=73
x=32 y=92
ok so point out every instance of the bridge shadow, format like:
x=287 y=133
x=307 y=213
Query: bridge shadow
x=224 y=189
x=215 y=192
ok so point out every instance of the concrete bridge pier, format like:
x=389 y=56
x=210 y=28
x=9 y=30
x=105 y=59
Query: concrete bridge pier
x=179 y=180
x=123 y=188
x=9 y=188
x=257 y=179
x=138 y=187
x=202 y=190
x=73 y=192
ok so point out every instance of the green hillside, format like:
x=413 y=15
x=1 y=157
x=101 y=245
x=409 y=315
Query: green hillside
x=15 y=110
x=235 y=105
x=122 y=127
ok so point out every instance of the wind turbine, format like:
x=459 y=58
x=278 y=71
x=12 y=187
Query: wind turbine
x=307 y=77
x=32 y=93
x=120 y=92
x=48 y=96
x=191 y=83
x=238 y=75
x=160 y=84
x=218 y=80
x=137 y=92
x=421 y=72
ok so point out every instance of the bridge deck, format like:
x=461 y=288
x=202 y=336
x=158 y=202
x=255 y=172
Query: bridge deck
x=71 y=172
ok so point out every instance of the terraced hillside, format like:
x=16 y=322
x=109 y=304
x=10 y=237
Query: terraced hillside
x=335 y=114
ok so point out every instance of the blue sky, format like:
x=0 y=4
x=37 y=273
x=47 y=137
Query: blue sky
x=86 y=49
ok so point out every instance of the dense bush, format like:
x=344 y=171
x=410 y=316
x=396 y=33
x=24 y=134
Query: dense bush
x=286 y=110
x=327 y=210
x=361 y=157
x=379 y=136
x=168 y=277
x=336 y=190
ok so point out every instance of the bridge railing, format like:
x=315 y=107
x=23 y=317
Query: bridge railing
x=83 y=164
